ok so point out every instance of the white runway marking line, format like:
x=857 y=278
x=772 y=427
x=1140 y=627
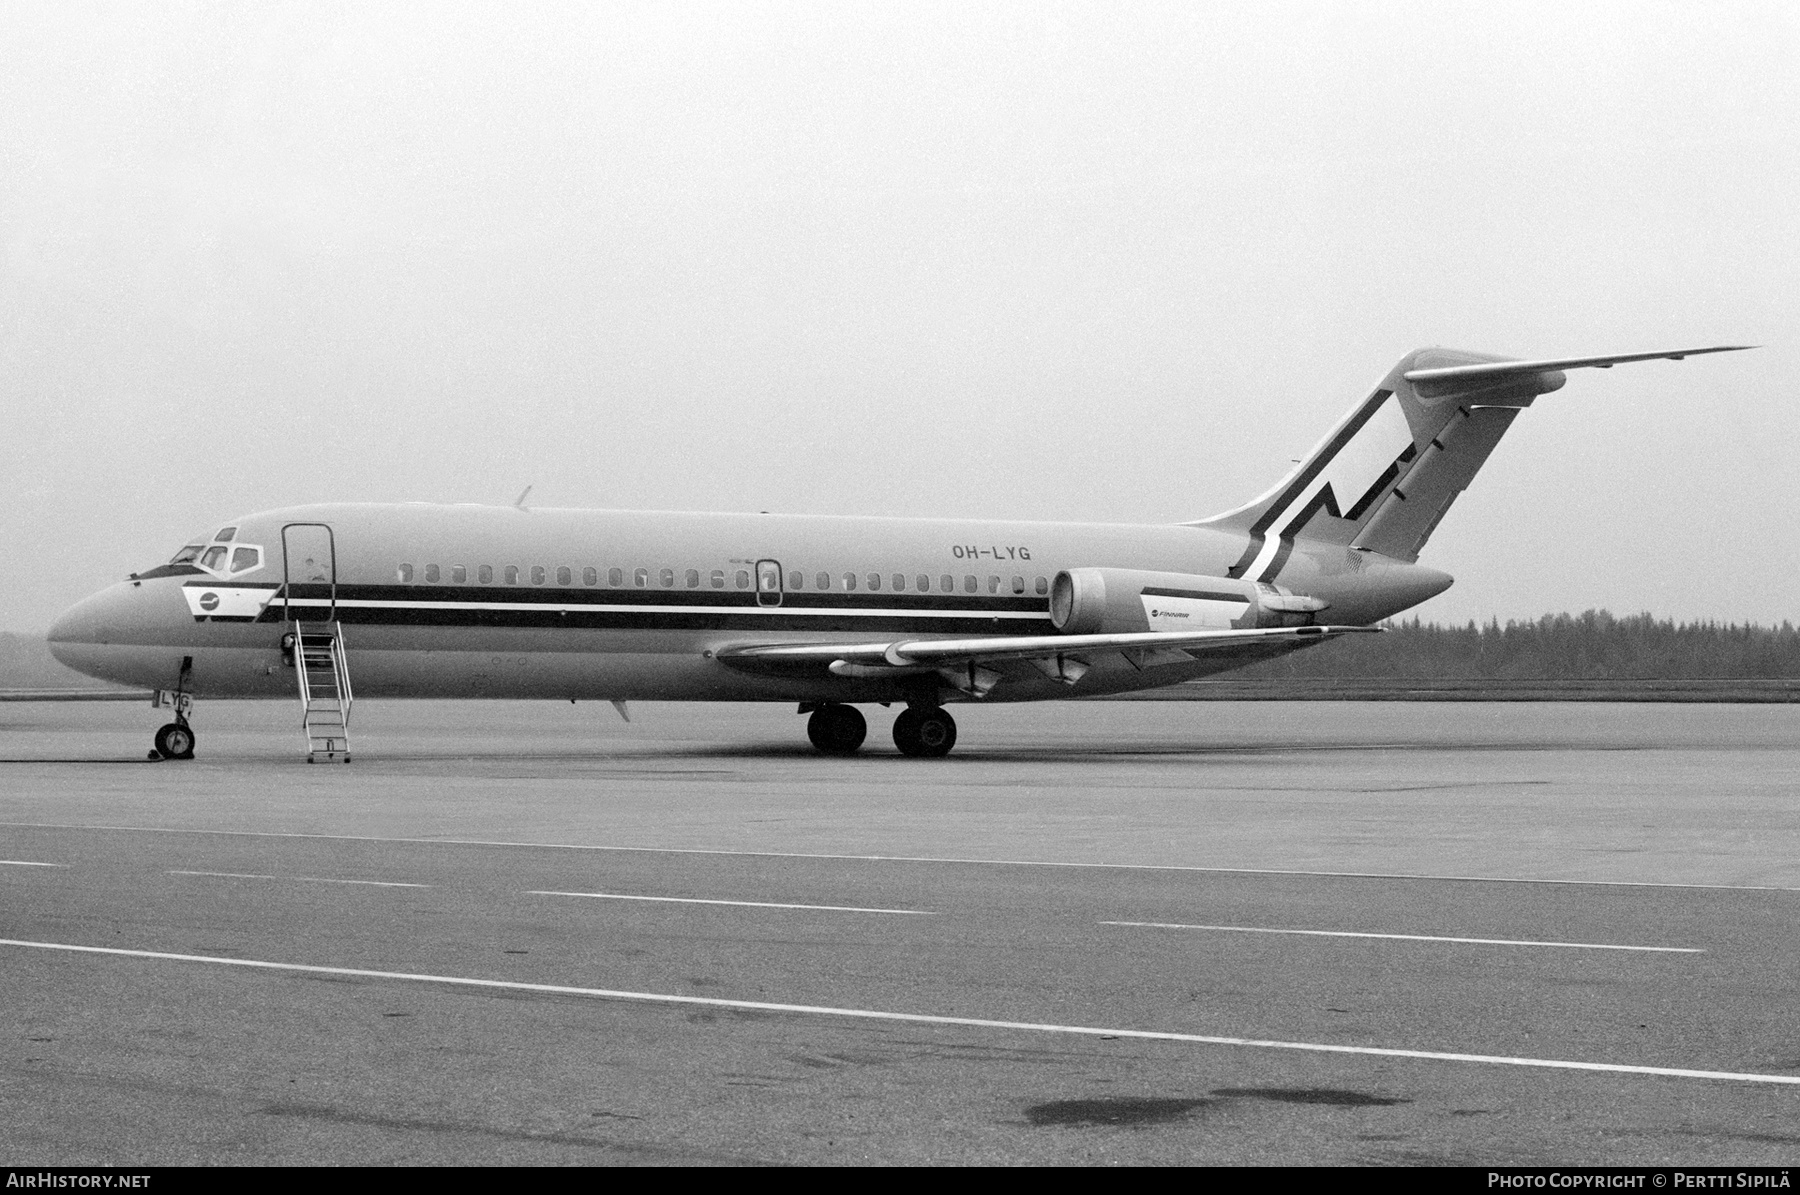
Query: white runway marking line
x=1339 y=933
x=239 y=875
x=682 y=850
x=28 y=863
x=746 y=904
x=917 y=1018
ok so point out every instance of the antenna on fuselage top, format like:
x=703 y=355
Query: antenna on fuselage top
x=523 y=494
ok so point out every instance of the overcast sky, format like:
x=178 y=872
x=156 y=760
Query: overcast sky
x=1116 y=262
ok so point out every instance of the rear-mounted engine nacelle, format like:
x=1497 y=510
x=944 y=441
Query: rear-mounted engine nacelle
x=1099 y=601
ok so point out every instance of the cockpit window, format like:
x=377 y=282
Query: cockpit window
x=225 y=534
x=245 y=559
x=188 y=554
x=214 y=557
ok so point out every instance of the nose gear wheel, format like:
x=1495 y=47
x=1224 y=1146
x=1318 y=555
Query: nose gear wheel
x=175 y=741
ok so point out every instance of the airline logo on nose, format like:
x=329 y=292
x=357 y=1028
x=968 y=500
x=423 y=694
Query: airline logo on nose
x=229 y=602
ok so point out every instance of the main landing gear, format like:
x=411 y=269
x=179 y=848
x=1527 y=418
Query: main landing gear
x=923 y=732
x=837 y=729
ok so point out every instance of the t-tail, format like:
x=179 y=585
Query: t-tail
x=1381 y=480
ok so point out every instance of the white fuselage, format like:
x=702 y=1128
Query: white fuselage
x=476 y=601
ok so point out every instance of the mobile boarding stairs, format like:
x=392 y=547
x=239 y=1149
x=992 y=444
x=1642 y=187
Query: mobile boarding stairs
x=325 y=697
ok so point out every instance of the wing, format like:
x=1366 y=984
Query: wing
x=966 y=664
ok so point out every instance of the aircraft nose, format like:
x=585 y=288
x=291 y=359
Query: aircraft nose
x=96 y=632
x=79 y=624
x=128 y=634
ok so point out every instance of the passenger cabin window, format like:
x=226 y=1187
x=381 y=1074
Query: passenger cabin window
x=615 y=577
x=405 y=574
x=899 y=581
x=692 y=577
x=796 y=579
x=743 y=578
x=641 y=578
x=590 y=576
x=245 y=559
x=824 y=580
x=970 y=584
x=1042 y=587
x=485 y=574
x=225 y=534
x=718 y=578
x=993 y=584
x=537 y=574
x=849 y=581
x=874 y=580
x=1018 y=584
x=924 y=583
x=666 y=578
x=512 y=574
x=431 y=574
x=564 y=576
x=459 y=573
x=947 y=583
x=214 y=558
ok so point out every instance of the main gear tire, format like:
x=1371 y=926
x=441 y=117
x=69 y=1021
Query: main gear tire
x=837 y=729
x=925 y=733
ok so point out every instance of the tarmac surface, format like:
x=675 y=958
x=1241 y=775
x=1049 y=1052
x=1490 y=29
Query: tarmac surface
x=1212 y=932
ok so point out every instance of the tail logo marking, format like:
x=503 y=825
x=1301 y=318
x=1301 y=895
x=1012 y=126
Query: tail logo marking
x=1362 y=459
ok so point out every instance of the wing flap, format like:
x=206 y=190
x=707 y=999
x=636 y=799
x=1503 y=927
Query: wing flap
x=899 y=657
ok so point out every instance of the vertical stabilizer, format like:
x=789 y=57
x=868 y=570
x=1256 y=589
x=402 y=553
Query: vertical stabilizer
x=1384 y=476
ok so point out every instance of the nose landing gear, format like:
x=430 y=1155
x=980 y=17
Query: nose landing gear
x=176 y=740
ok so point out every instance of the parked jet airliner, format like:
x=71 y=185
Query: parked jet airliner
x=421 y=600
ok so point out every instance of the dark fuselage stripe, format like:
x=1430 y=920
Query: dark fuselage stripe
x=752 y=618
x=661 y=599
x=658 y=610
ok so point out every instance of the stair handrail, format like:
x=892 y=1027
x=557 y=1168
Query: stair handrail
x=300 y=668
x=341 y=664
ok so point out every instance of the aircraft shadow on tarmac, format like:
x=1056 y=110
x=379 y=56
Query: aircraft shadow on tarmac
x=1099 y=753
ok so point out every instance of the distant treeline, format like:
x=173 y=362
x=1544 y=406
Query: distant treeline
x=1591 y=646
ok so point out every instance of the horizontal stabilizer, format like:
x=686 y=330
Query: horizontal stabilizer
x=1433 y=381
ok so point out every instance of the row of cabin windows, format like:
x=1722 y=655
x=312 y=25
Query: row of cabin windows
x=458 y=574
